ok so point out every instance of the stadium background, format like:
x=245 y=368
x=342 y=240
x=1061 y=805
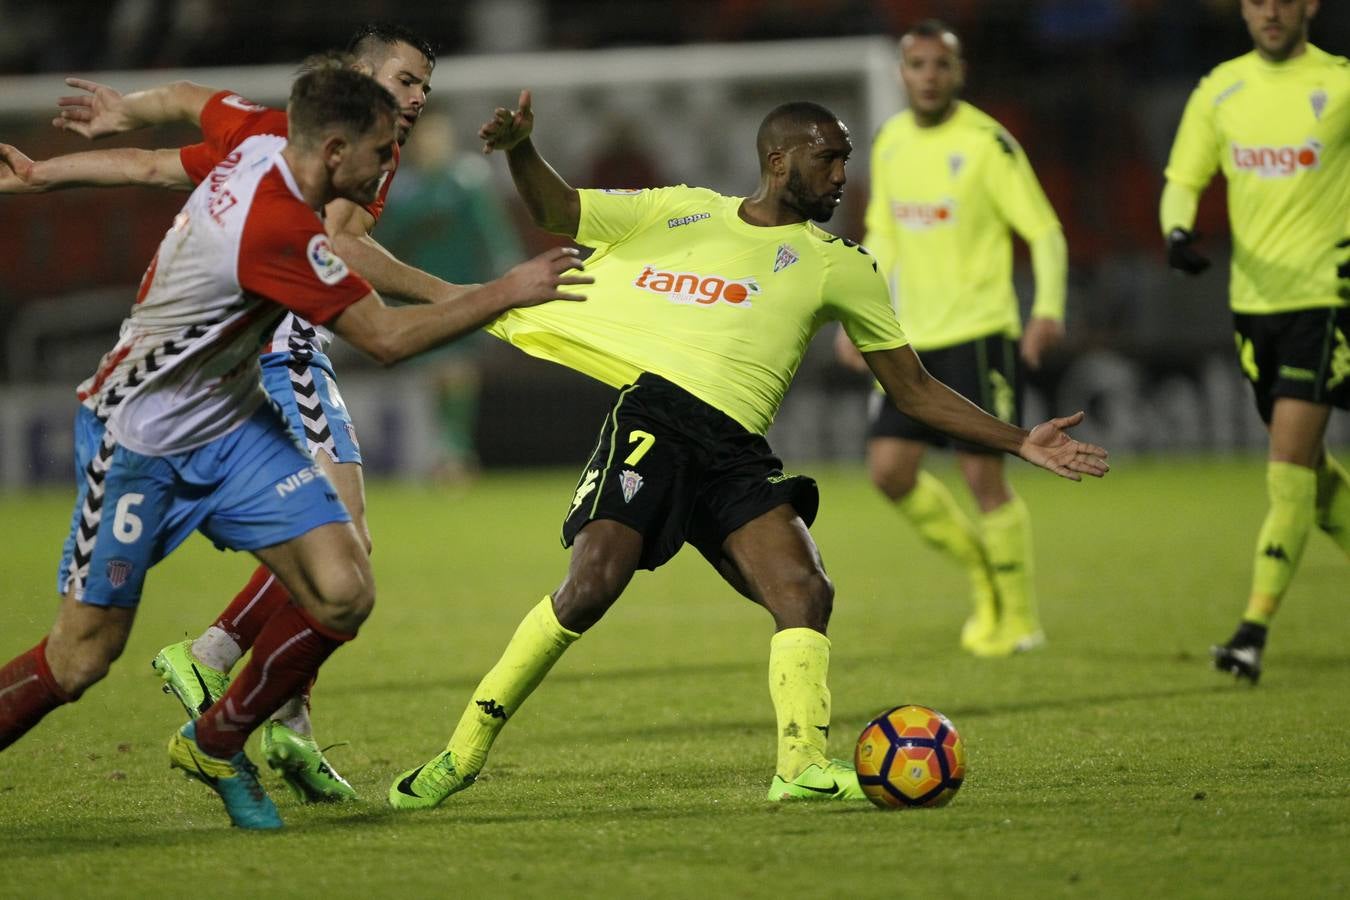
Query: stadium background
x=631 y=94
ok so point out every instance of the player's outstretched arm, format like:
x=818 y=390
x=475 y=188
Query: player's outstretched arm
x=553 y=203
x=921 y=396
x=390 y=334
x=349 y=225
x=101 y=110
x=95 y=168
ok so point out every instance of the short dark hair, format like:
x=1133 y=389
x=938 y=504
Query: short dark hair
x=326 y=59
x=364 y=40
x=932 y=28
x=333 y=95
x=789 y=118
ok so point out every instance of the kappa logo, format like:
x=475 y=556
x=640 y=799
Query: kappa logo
x=118 y=571
x=292 y=483
x=630 y=483
x=922 y=216
x=786 y=257
x=686 y=220
x=327 y=265
x=584 y=489
x=492 y=709
x=1277 y=162
x=694 y=289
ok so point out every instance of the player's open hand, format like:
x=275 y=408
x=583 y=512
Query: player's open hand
x=508 y=127
x=1041 y=335
x=16 y=172
x=94 y=114
x=541 y=279
x=1050 y=447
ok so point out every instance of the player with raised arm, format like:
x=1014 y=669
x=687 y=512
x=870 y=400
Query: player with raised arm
x=949 y=184
x=175 y=432
x=296 y=369
x=1276 y=122
x=702 y=308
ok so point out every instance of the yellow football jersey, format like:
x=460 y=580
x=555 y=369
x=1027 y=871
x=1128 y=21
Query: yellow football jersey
x=686 y=289
x=943 y=201
x=1280 y=133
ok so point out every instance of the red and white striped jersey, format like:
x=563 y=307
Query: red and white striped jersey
x=226 y=120
x=244 y=249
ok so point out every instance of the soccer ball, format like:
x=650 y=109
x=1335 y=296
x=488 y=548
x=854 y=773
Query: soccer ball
x=910 y=756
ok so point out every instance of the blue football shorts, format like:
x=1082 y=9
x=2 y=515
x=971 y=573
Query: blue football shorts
x=303 y=385
x=254 y=487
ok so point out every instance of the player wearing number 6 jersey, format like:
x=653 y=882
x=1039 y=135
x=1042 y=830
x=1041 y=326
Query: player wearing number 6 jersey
x=297 y=372
x=1276 y=122
x=175 y=432
x=702 y=308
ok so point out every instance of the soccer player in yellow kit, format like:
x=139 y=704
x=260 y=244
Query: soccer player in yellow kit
x=701 y=310
x=1276 y=121
x=949 y=184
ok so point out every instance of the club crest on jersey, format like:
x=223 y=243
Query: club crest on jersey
x=326 y=264
x=630 y=483
x=693 y=289
x=955 y=162
x=1277 y=162
x=922 y=216
x=786 y=257
x=1318 y=99
x=118 y=571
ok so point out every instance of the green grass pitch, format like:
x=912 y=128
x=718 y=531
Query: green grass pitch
x=1112 y=763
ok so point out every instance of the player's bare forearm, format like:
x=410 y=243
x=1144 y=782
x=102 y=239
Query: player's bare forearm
x=95 y=168
x=921 y=396
x=391 y=276
x=102 y=111
x=553 y=203
x=389 y=335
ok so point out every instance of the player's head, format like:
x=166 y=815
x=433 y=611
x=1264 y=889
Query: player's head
x=802 y=150
x=399 y=59
x=345 y=120
x=931 y=69
x=1279 y=28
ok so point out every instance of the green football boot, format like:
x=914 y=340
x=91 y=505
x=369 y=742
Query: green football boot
x=193 y=682
x=301 y=764
x=1015 y=634
x=836 y=781
x=234 y=779
x=429 y=784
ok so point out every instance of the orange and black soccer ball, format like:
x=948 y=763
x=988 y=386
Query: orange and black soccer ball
x=910 y=756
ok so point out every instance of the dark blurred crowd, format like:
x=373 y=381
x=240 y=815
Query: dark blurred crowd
x=1147 y=38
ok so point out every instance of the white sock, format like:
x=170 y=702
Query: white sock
x=217 y=649
x=294 y=714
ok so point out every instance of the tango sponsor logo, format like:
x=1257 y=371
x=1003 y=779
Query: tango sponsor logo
x=694 y=289
x=922 y=216
x=292 y=483
x=1277 y=162
x=685 y=220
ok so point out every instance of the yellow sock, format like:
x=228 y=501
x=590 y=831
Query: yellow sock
x=1007 y=536
x=537 y=644
x=1333 y=502
x=939 y=520
x=1292 y=490
x=799 y=659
